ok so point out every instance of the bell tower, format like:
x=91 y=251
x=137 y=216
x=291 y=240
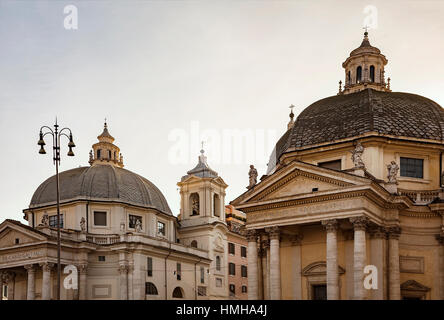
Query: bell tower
x=364 y=69
x=202 y=222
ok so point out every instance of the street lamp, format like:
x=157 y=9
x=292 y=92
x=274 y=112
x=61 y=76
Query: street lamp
x=56 y=134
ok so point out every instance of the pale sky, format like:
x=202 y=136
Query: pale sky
x=155 y=68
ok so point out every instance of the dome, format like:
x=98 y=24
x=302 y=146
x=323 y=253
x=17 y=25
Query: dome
x=101 y=183
x=368 y=111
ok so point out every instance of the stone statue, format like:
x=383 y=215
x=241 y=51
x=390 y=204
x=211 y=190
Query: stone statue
x=83 y=224
x=357 y=156
x=45 y=220
x=253 y=177
x=393 y=169
x=138 y=226
x=91 y=158
x=195 y=205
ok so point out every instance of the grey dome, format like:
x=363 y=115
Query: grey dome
x=346 y=116
x=101 y=183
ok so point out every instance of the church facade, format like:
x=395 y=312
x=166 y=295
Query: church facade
x=118 y=236
x=352 y=204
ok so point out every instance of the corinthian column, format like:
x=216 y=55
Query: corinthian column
x=130 y=282
x=331 y=226
x=440 y=238
x=1 y=285
x=264 y=275
x=252 y=265
x=46 y=282
x=83 y=271
x=275 y=266
x=359 y=257
x=30 y=295
x=123 y=270
x=394 y=282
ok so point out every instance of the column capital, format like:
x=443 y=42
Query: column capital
x=265 y=244
x=46 y=266
x=8 y=276
x=377 y=232
x=130 y=268
x=273 y=232
x=83 y=268
x=251 y=235
x=123 y=268
x=295 y=239
x=330 y=225
x=30 y=268
x=359 y=223
x=393 y=232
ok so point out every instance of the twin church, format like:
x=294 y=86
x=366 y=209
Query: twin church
x=355 y=181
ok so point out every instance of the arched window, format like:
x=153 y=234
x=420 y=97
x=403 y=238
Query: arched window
x=372 y=73
x=178 y=293
x=216 y=205
x=99 y=153
x=150 y=289
x=195 y=206
x=109 y=154
x=349 y=78
x=217 y=263
x=194 y=244
x=358 y=74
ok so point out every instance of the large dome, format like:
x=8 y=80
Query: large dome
x=101 y=183
x=368 y=111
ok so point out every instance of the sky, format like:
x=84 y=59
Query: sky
x=169 y=74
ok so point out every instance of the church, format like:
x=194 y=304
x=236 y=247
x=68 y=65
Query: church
x=354 y=189
x=119 y=235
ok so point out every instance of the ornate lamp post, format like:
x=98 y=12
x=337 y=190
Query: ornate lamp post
x=56 y=134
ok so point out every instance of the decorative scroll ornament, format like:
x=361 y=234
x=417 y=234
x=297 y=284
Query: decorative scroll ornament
x=45 y=220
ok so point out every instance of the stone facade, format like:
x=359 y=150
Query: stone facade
x=348 y=214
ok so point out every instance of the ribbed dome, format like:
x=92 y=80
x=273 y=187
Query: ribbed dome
x=102 y=183
x=347 y=116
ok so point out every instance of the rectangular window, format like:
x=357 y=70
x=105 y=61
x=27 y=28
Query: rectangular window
x=100 y=218
x=202 y=275
x=179 y=271
x=232 y=289
x=101 y=258
x=413 y=168
x=244 y=289
x=53 y=221
x=149 y=266
x=231 y=269
x=243 y=252
x=133 y=220
x=244 y=271
x=5 y=291
x=161 y=228
x=335 y=164
x=218 y=282
x=231 y=248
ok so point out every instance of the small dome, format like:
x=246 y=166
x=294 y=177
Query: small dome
x=347 y=116
x=101 y=183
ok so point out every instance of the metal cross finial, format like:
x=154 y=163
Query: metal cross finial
x=366 y=29
x=291 y=107
x=202 y=144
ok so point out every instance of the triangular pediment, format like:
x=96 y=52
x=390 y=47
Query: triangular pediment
x=12 y=234
x=412 y=285
x=299 y=178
